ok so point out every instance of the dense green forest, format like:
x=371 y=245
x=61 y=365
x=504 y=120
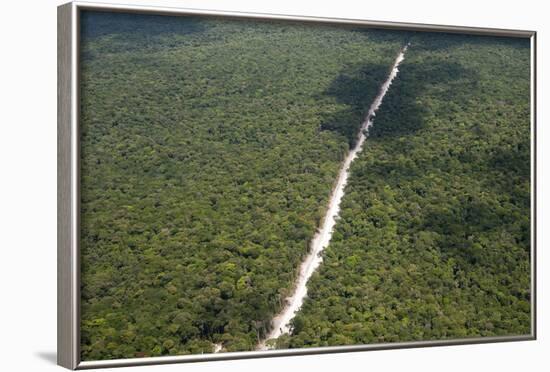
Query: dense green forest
x=433 y=240
x=209 y=148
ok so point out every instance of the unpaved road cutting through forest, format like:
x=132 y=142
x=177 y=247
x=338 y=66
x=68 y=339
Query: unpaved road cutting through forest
x=281 y=322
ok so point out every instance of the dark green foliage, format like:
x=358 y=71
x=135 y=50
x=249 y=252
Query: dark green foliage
x=434 y=236
x=209 y=149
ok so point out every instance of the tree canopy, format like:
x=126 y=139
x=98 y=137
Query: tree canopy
x=209 y=148
x=433 y=240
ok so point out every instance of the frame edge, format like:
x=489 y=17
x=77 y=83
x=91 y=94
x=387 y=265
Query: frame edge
x=68 y=271
x=534 y=165
x=388 y=25
x=66 y=260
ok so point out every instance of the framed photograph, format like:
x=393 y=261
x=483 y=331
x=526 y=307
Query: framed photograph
x=235 y=185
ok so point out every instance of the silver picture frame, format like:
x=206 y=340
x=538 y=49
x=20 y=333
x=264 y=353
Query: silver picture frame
x=68 y=184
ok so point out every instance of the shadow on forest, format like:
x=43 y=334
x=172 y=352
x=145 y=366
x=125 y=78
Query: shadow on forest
x=349 y=88
x=123 y=32
x=435 y=41
x=401 y=102
x=515 y=162
x=403 y=109
x=406 y=110
x=127 y=25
